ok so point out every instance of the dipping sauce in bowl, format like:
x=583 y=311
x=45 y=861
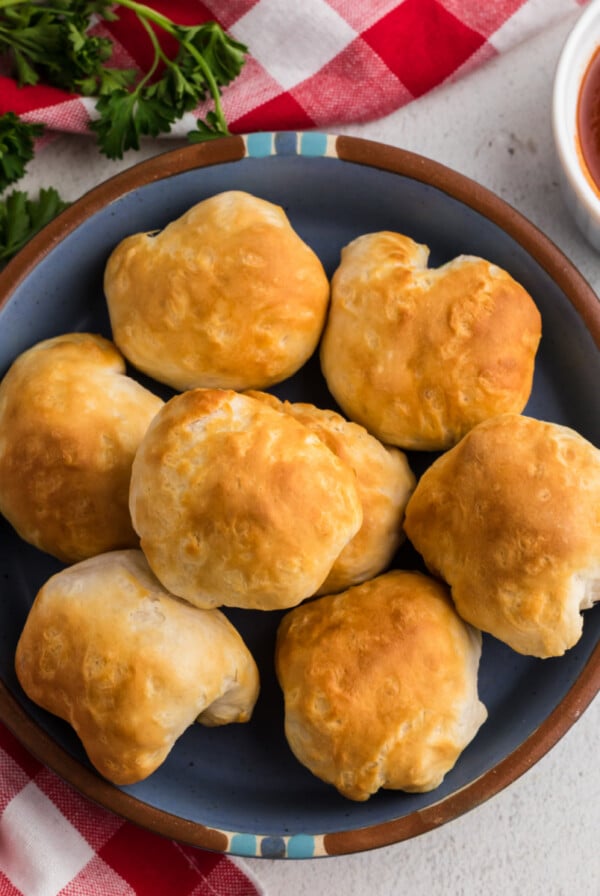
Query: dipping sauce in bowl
x=576 y=121
x=588 y=120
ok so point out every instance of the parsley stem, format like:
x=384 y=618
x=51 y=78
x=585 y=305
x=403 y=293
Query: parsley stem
x=212 y=84
x=146 y=14
x=158 y=53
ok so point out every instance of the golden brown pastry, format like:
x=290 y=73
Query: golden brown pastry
x=238 y=504
x=420 y=355
x=128 y=665
x=384 y=481
x=380 y=685
x=228 y=295
x=70 y=424
x=510 y=518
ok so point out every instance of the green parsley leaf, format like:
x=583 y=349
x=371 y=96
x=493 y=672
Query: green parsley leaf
x=125 y=117
x=223 y=55
x=50 y=43
x=22 y=217
x=210 y=129
x=16 y=147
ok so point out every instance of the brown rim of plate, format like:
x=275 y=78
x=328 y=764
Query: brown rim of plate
x=586 y=303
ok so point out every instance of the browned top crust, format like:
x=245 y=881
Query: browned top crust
x=239 y=504
x=227 y=296
x=70 y=424
x=384 y=481
x=380 y=684
x=510 y=518
x=420 y=355
x=129 y=666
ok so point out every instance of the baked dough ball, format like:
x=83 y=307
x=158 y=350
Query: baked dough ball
x=70 y=424
x=384 y=481
x=239 y=504
x=419 y=355
x=128 y=665
x=510 y=518
x=380 y=685
x=228 y=295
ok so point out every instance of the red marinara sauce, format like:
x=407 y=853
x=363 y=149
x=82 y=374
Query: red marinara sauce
x=588 y=119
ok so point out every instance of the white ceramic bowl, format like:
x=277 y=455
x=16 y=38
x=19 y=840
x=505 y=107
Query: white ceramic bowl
x=580 y=196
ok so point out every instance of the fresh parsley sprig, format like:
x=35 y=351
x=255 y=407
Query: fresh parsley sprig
x=51 y=43
x=17 y=146
x=207 y=60
x=22 y=217
x=48 y=43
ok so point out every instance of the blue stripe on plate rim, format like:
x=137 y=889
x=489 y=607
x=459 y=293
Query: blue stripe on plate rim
x=289 y=143
x=296 y=846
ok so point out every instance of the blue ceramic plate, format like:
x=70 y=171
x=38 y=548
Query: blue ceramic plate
x=238 y=789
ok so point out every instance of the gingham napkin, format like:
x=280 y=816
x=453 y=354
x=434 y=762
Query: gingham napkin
x=54 y=841
x=318 y=63
x=313 y=63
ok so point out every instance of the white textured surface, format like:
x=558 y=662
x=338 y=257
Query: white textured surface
x=540 y=836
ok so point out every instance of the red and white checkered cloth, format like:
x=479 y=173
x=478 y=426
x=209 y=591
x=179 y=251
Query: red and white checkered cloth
x=317 y=63
x=54 y=841
x=314 y=63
